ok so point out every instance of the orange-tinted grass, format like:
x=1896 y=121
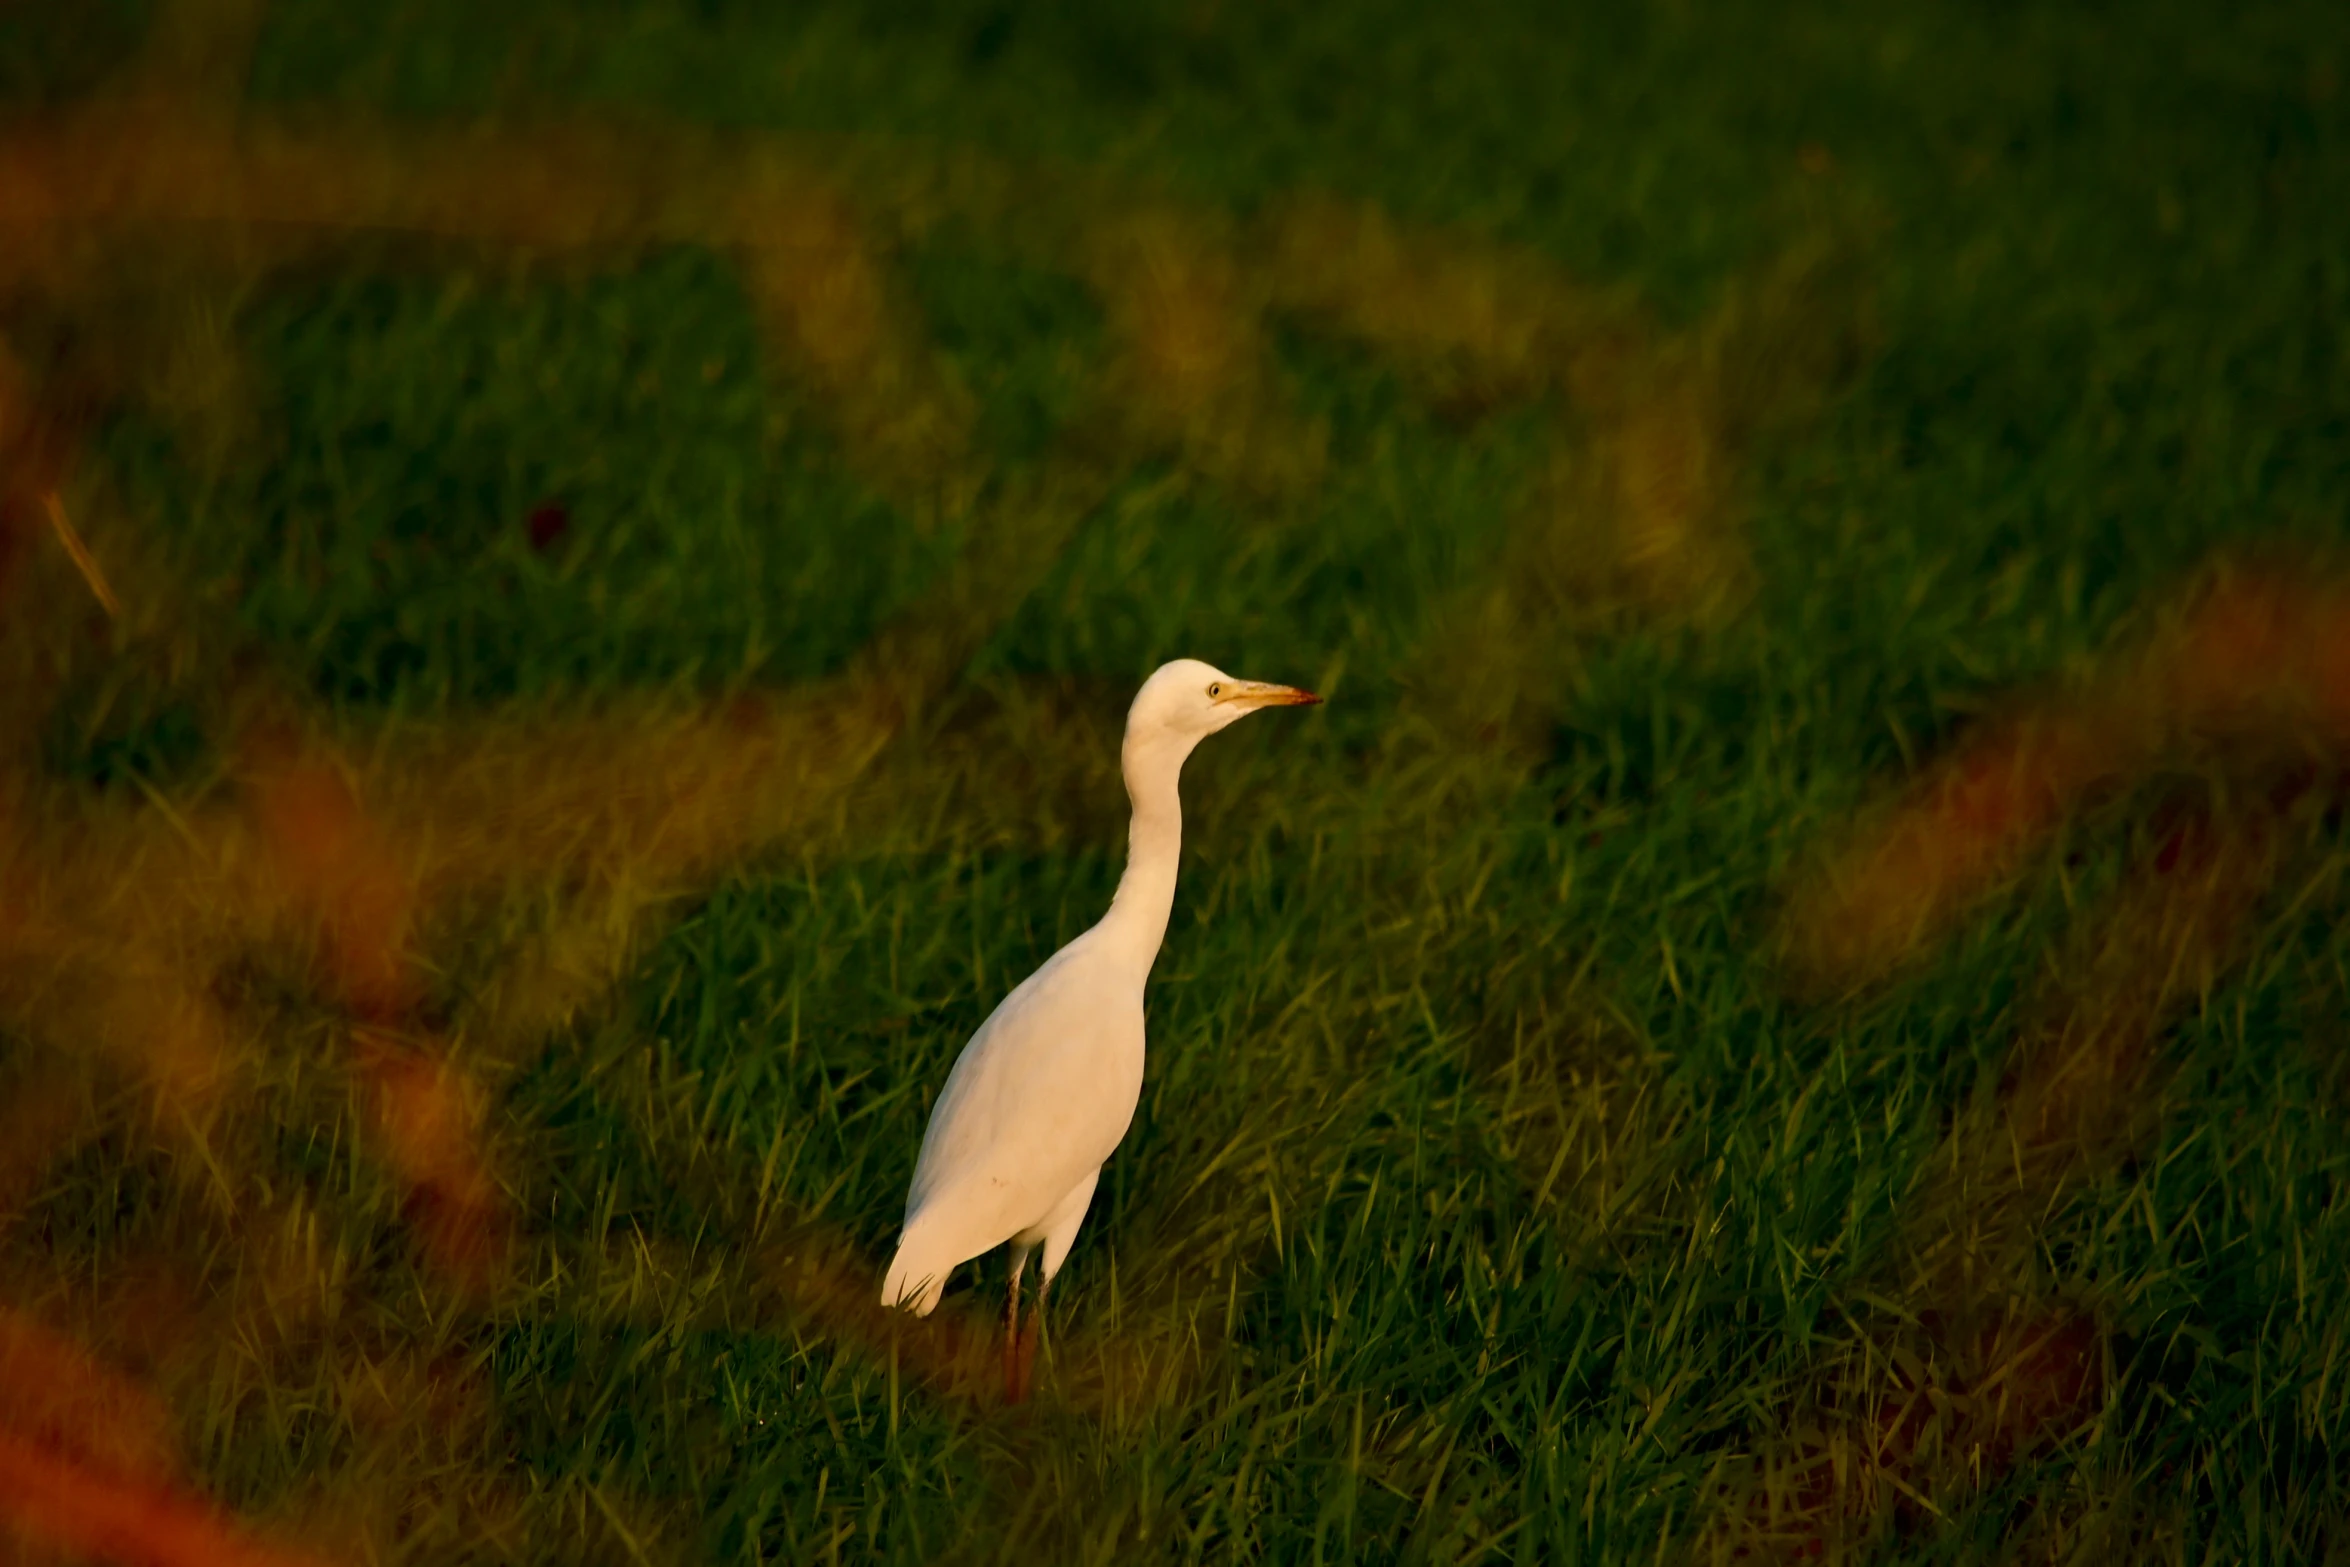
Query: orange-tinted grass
x=1988 y=1374
x=61 y=1397
x=333 y=866
x=427 y=1116
x=1480 y=322
x=58 y=1503
x=1194 y=369
x=2256 y=660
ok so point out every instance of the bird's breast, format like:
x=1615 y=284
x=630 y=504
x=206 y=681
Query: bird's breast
x=1042 y=1094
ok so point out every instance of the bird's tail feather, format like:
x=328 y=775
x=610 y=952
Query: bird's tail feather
x=917 y=1277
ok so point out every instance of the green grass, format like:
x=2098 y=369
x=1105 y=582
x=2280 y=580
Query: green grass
x=1414 y=985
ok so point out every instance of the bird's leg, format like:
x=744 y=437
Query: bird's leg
x=1015 y=1385
x=1027 y=1337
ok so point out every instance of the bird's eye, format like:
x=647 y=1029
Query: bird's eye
x=1215 y=690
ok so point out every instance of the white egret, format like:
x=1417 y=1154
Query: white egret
x=1046 y=1088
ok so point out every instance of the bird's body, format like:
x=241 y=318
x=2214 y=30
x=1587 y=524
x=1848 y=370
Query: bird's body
x=1036 y=1101
x=1046 y=1088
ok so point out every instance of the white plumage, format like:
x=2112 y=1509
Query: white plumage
x=1045 y=1089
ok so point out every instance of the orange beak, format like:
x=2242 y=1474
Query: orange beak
x=1257 y=693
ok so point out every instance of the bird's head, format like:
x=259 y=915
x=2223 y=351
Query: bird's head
x=1188 y=700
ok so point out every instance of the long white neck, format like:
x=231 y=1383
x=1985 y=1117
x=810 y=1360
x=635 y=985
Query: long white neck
x=1137 y=921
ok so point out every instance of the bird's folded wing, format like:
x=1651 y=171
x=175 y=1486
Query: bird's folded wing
x=1039 y=1097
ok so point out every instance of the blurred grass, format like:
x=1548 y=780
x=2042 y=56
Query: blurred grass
x=1490 y=1198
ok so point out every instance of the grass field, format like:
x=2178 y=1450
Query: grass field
x=1791 y=1005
